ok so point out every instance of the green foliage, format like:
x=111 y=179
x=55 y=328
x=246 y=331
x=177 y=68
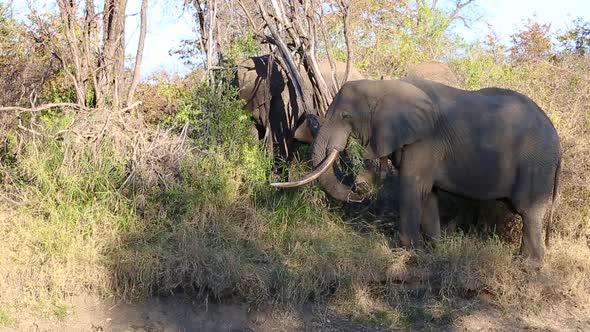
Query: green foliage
x=8 y=150
x=4 y=318
x=71 y=188
x=241 y=47
x=26 y=63
x=58 y=90
x=532 y=42
x=60 y=312
x=214 y=114
x=577 y=38
x=481 y=67
x=410 y=35
x=220 y=126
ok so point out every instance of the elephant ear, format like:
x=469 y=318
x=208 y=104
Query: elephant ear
x=400 y=118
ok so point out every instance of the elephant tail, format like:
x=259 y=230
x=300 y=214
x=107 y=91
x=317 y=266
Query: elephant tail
x=553 y=199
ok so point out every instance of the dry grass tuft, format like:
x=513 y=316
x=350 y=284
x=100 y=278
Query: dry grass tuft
x=153 y=155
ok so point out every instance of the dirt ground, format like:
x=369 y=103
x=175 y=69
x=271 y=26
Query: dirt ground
x=179 y=313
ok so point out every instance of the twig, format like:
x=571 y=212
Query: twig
x=104 y=128
x=132 y=106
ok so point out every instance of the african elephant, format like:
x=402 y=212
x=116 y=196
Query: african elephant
x=271 y=98
x=453 y=209
x=434 y=71
x=460 y=211
x=487 y=144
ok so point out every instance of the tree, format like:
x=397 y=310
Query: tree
x=532 y=42
x=577 y=39
x=25 y=62
x=139 y=55
x=91 y=48
x=291 y=29
x=387 y=34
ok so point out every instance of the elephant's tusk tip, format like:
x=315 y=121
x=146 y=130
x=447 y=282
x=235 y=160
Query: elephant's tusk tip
x=286 y=184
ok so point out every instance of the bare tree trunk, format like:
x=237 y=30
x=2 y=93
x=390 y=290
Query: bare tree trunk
x=91 y=42
x=208 y=26
x=68 y=10
x=211 y=48
x=335 y=84
x=113 y=57
x=139 y=55
x=94 y=58
x=296 y=22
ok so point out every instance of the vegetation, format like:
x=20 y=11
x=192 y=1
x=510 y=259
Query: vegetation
x=100 y=202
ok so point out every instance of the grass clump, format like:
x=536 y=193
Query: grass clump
x=4 y=318
x=60 y=312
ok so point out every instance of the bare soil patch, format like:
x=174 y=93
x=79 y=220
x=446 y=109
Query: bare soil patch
x=181 y=313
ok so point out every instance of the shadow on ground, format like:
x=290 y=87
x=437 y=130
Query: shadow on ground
x=181 y=313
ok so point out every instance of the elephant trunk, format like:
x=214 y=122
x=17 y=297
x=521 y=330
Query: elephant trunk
x=333 y=136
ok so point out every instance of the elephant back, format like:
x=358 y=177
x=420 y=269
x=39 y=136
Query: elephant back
x=434 y=71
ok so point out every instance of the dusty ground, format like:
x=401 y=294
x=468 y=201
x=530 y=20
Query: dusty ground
x=179 y=313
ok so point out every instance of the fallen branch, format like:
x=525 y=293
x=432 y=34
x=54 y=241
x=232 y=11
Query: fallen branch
x=130 y=107
x=34 y=132
x=55 y=105
x=43 y=107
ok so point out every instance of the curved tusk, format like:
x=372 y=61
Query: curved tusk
x=323 y=166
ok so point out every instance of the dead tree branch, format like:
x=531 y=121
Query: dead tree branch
x=139 y=55
x=208 y=27
x=345 y=8
x=292 y=26
x=43 y=107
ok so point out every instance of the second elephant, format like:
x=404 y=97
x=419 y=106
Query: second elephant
x=270 y=96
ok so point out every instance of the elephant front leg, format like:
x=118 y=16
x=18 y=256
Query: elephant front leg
x=416 y=181
x=410 y=210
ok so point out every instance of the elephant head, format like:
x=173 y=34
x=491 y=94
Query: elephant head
x=383 y=115
x=270 y=96
x=258 y=84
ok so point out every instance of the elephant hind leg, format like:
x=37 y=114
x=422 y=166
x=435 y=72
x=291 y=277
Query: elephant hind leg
x=530 y=200
x=532 y=246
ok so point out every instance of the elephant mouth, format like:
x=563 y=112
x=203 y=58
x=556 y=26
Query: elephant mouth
x=321 y=169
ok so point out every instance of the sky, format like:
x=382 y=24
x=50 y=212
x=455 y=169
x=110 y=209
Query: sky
x=168 y=24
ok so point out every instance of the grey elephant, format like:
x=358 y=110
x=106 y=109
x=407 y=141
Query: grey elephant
x=270 y=96
x=434 y=71
x=487 y=144
x=458 y=210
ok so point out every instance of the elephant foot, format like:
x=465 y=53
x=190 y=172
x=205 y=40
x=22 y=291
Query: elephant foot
x=410 y=242
x=532 y=259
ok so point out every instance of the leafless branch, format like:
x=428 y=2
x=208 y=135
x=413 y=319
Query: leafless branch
x=345 y=8
x=139 y=56
x=459 y=5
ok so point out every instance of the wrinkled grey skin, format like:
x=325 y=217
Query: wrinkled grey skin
x=486 y=144
x=272 y=101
